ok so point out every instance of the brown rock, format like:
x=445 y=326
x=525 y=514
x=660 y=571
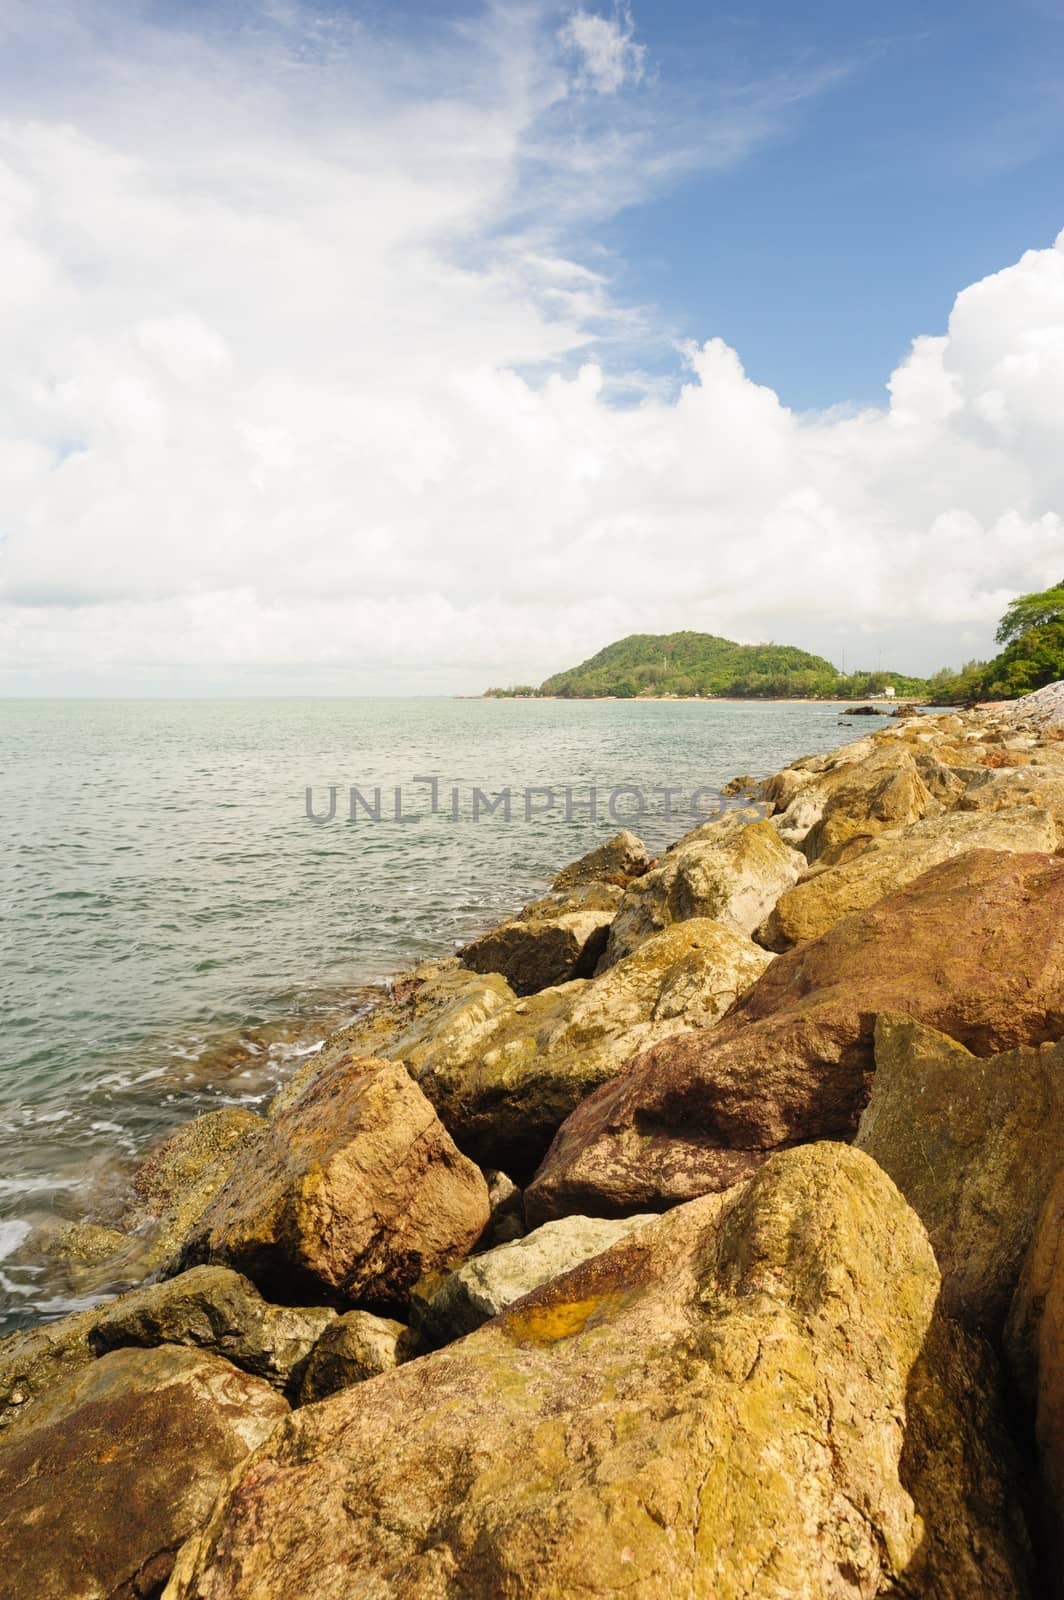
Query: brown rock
x=975 y=947
x=974 y=1145
x=753 y=1397
x=551 y=941
x=893 y=858
x=562 y=935
x=179 y=1177
x=1039 y=786
x=439 y=1006
x=34 y=1360
x=355 y=1191
x=617 y=861
x=107 y=1476
x=730 y=871
x=504 y=1090
x=215 y=1309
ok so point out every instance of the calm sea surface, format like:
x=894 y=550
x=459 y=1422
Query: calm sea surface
x=175 y=932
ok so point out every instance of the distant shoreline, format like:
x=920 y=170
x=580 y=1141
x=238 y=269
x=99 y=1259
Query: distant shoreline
x=716 y=699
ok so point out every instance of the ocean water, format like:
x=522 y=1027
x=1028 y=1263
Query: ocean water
x=176 y=933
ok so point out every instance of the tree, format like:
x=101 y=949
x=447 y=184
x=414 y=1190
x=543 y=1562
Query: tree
x=1029 y=611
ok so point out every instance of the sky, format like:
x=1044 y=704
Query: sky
x=413 y=348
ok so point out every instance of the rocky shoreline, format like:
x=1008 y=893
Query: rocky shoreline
x=697 y=1231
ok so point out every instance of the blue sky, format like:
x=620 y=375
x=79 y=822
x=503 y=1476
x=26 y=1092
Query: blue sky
x=932 y=155
x=504 y=330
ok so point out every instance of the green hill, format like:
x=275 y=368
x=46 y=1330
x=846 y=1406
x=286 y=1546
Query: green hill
x=702 y=663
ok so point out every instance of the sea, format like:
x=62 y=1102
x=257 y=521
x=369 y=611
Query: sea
x=194 y=893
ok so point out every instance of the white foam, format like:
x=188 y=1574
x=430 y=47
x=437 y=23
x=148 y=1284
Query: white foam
x=12 y=1234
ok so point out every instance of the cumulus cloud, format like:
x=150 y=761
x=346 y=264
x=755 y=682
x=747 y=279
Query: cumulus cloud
x=607 y=48
x=311 y=379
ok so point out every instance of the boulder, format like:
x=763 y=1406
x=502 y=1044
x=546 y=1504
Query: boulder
x=730 y=870
x=449 y=1305
x=355 y=1191
x=179 y=1177
x=1038 y=786
x=116 y=1467
x=563 y=935
x=1034 y=1340
x=214 y=1308
x=974 y=1145
x=754 y=1396
x=440 y=1005
x=34 y=1360
x=357 y=1346
x=894 y=858
x=504 y=1093
x=616 y=862
x=557 y=938
x=884 y=792
x=974 y=947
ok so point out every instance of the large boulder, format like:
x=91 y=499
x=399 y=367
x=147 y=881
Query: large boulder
x=214 y=1308
x=562 y=935
x=858 y=790
x=1034 y=1340
x=755 y=1396
x=894 y=858
x=974 y=1145
x=504 y=1092
x=730 y=870
x=975 y=947
x=116 y=1467
x=448 y=1305
x=355 y=1192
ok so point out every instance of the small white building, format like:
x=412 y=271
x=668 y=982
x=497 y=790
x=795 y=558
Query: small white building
x=889 y=691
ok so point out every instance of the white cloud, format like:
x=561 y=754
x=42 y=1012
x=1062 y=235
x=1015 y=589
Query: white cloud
x=606 y=46
x=297 y=386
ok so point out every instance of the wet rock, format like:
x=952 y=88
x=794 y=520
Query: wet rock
x=975 y=947
x=730 y=871
x=452 y=1304
x=974 y=1145
x=504 y=1091
x=34 y=1360
x=891 y=859
x=179 y=1177
x=355 y=1191
x=111 y=1471
x=357 y=1346
x=214 y=1308
x=754 y=1396
x=439 y=1006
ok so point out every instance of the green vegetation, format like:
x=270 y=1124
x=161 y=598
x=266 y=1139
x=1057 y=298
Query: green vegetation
x=1032 y=631
x=682 y=664
x=654 y=664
